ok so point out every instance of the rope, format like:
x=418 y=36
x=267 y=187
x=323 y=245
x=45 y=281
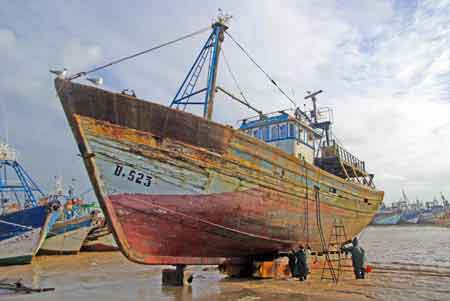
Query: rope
x=16 y=225
x=233 y=77
x=262 y=70
x=306 y=228
x=84 y=73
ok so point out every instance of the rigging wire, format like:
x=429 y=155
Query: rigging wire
x=227 y=64
x=77 y=75
x=262 y=70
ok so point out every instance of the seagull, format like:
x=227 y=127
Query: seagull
x=59 y=73
x=98 y=81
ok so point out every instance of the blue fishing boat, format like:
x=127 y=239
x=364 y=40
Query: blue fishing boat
x=386 y=218
x=410 y=217
x=72 y=226
x=24 y=220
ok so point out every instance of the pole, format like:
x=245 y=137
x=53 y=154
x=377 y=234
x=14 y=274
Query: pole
x=219 y=29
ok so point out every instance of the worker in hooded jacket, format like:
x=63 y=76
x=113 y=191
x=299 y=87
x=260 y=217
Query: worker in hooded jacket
x=358 y=258
x=302 y=263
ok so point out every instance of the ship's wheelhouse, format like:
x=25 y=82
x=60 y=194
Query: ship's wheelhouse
x=285 y=132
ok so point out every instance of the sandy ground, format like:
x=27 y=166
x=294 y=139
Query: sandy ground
x=109 y=276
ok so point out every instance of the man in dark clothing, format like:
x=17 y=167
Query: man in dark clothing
x=358 y=258
x=302 y=263
x=293 y=263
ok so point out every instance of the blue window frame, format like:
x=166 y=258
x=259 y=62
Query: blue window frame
x=283 y=130
x=265 y=133
x=274 y=132
x=257 y=133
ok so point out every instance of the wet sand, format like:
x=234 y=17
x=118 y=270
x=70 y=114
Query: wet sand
x=109 y=276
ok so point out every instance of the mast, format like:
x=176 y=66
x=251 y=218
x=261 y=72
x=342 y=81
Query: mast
x=314 y=101
x=218 y=31
x=211 y=49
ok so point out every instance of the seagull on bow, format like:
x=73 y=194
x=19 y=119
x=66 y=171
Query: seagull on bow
x=59 y=73
x=98 y=81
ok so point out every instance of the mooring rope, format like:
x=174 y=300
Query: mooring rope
x=84 y=73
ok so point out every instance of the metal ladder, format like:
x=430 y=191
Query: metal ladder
x=189 y=88
x=328 y=263
x=337 y=239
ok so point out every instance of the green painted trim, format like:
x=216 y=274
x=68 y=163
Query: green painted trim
x=26 y=259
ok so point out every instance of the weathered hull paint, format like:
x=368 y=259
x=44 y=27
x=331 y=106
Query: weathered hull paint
x=19 y=249
x=215 y=192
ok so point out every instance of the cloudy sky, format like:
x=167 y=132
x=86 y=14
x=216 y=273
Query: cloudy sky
x=384 y=67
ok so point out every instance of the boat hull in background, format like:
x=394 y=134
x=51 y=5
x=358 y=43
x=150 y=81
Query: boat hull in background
x=410 y=217
x=100 y=239
x=67 y=237
x=386 y=219
x=22 y=233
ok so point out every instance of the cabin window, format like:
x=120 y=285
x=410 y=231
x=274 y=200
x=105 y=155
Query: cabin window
x=274 y=132
x=283 y=130
x=292 y=130
x=256 y=133
x=265 y=133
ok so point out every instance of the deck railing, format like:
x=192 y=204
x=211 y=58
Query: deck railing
x=335 y=150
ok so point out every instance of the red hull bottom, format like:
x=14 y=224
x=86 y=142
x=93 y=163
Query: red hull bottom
x=201 y=229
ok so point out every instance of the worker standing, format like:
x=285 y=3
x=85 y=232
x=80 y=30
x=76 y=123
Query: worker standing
x=293 y=263
x=358 y=258
x=302 y=263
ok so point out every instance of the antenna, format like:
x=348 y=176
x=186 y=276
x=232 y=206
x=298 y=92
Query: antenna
x=222 y=17
x=314 y=100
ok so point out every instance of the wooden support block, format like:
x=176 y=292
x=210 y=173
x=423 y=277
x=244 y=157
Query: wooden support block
x=278 y=269
x=236 y=270
x=177 y=277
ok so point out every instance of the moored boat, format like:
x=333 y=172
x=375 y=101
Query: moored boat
x=23 y=222
x=410 y=217
x=384 y=218
x=181 y=189
x=74 y=221
x=67 y=236
x=100 y=239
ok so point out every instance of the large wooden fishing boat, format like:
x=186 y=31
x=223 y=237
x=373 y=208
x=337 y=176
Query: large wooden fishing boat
x=182 y=189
